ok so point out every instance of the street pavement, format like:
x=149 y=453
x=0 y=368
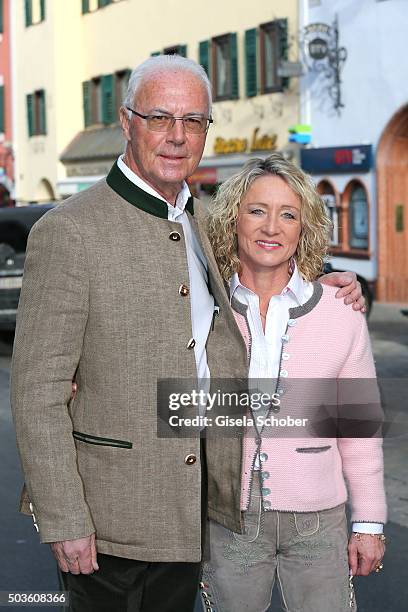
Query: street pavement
x=26 y=565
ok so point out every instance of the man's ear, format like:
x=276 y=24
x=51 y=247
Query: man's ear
x=124 y=122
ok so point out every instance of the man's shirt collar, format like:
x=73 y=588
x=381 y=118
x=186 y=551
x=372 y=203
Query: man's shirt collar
x=182 y=197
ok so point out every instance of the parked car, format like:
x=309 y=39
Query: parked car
x=15 y=225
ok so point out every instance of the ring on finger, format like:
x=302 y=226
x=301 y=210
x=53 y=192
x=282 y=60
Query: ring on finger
x=379 y=567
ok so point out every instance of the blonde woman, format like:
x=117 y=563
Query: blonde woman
x=269 y=232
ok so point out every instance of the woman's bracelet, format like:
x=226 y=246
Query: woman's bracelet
x=379 y=536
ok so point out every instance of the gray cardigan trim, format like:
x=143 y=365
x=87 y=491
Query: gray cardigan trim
x=308 y=306
x=294 y=313
x=238 y=306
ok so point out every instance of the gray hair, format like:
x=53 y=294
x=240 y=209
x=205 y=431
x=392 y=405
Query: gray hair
x=161 y=64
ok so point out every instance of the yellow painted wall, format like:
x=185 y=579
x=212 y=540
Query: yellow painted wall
x=69 y=48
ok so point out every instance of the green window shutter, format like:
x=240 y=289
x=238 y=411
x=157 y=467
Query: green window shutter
x=154 y=53
x=182 y=50
x=234 y=66
x=42 y=113
x=42 y=10
x=108 y=99
x=204 y=55
x=30 y=114
x=28 y=12
x=2 y=123
x=1 y=16
x=86 y=96
x=251 y=42
x=283 y=46
x=85 y=6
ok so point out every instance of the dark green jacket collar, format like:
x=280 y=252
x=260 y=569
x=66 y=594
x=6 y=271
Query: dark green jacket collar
x=139 y=198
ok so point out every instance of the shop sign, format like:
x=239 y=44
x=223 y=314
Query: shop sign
x=337 y=159
x=317 y=37
x=266 y=142
x=207 y=176
x=318 y=48
x=263 y=143
x=323 y=55
x=233 y=145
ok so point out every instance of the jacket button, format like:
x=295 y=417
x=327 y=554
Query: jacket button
x=191 y=343
x=190 y=459
x=184 y=290
x=175 y=236
x=285 y=338
x=266 y=491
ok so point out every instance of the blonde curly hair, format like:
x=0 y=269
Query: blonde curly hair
x=313 y=242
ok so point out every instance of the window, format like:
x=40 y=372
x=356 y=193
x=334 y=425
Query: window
x=219 y=59
x=358 y=218
x=36 y=113
x=121 y=85
x=174 y=50
x=331 y=209
x=34 y=12
x=265 y=48
x=103 y=96
x=89 y=6
x=273 y=48
x=328 y=195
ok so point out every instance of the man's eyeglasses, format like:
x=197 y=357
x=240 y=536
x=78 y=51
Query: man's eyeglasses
x=163 y=123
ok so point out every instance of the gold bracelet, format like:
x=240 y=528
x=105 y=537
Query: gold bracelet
x=379 y=536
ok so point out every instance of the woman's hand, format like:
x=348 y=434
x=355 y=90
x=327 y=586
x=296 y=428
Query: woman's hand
x=365 y=553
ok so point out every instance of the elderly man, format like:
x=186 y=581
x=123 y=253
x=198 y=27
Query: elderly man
x=116 y=296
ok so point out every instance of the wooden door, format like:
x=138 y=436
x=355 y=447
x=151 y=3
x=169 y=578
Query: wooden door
x=392 y=207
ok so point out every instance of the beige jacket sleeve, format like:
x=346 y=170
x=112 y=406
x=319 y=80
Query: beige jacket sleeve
x=51 y=322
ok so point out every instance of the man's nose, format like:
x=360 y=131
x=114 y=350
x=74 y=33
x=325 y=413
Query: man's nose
x=177 y=132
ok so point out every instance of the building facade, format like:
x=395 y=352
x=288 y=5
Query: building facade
x=355 y=97
x=69 y=93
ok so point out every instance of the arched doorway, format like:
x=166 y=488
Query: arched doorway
x=392 y=198
x=45 y=192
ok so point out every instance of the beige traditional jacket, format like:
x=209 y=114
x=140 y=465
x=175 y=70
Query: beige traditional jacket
x=101 y=304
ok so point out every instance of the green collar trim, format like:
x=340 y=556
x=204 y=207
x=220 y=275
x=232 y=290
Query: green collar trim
x=139 y=198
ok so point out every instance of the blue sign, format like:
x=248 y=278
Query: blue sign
x=356 y=158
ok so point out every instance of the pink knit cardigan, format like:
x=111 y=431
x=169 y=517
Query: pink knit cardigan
x=324 y=339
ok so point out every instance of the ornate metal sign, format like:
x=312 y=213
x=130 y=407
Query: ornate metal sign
x=323 y=55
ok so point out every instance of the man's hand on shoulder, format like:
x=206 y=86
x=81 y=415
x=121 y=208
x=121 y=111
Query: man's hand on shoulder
x=350 y=288
x=76 y=556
